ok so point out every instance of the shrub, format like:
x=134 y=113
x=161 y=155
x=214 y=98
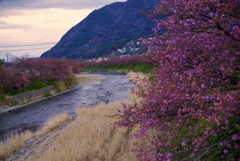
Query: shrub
x=60 y=85
x=70 y=81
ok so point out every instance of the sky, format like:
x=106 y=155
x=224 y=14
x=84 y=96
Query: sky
x=38 y=25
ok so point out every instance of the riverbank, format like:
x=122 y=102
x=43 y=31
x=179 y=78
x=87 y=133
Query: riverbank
x=89 y=136
x=28 y=98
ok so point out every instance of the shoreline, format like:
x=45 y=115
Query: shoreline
x=84 y=76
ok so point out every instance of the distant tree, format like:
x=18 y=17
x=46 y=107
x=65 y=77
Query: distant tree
x=12 y=79
x=46 y=69
x=75 y=65
x=20 y=73
x=192 y=104
x=2 y=61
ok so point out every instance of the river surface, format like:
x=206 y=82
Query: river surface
x=107 y=88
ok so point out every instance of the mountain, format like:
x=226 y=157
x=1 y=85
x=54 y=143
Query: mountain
x=105 y=30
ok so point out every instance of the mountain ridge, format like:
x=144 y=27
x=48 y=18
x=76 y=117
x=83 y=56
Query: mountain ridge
x=105 y=30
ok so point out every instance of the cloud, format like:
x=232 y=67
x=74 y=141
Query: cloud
x=9 y=12
x=38 y=21
x=14 y=7
x=7 y=26
x=66 y=4
x=38 y=26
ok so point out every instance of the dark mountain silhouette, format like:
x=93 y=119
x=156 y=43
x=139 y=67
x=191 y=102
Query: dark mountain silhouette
x=105 y=30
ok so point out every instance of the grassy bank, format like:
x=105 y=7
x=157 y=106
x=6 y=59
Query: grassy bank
x=131 y=67
x=37 y=91
x=58 y=86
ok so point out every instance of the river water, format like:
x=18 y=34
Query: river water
x=107 y=88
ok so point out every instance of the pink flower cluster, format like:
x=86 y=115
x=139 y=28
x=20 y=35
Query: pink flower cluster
x=192 y=103
x=20 y=73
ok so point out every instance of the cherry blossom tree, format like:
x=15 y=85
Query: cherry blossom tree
x=191 y=108
x=49 y=68
x=11 y=78
x=22 y=72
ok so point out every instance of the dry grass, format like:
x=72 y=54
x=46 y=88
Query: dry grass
x=16 y=141
x=91 y=137
x=53 y=123
x=13 y=144
x=86 y=78
x=135 y=77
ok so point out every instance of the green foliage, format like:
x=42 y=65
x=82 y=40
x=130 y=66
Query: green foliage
x=70 y=81
x=34 y=85
x=60 y=85
x=2 y=93
x=47 y=94
x=238 y=75
x=225 y=135
x=2 y=97
x=51 y=82
x=131 y=67
x=214 y=151
x=38 y=84
x=2 y=61
x=10 y=91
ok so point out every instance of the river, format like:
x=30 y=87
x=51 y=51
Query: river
x=107 y=88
